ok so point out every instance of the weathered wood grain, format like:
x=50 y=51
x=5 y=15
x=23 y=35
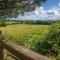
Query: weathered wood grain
x=22 y=53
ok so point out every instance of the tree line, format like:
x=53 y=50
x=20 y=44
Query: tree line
x=36 y=22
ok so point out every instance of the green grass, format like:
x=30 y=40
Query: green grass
x=23 y=33
x=26 y=35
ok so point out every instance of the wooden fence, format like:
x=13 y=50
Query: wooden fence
x=17 y=52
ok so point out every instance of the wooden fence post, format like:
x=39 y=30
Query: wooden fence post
x=1 y=46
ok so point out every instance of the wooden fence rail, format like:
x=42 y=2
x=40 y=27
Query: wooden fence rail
x=18 y=52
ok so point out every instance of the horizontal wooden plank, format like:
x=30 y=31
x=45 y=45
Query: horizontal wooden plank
x=21 y=52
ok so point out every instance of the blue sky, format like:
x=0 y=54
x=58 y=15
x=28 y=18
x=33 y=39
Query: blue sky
x=50 y=10
x=51 y=4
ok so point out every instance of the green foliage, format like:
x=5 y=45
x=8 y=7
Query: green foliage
x=2 y=24
x=50 y=45
x=26 y=35
x=9 y=8
x=38 y=38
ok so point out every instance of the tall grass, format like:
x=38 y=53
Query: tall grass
x=26 y=35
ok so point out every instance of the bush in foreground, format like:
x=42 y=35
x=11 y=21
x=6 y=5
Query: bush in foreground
x=50 y=45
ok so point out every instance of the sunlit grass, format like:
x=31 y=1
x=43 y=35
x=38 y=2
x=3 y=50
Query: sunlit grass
x=22 y=33
x=26 y=35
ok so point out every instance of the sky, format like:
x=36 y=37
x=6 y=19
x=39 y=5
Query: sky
x=50 y=10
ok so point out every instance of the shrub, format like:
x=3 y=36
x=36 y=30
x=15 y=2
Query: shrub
x=3 y=24
x=50 y=45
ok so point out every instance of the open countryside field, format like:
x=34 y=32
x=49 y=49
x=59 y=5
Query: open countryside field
x=28 y=36
x=24 y=34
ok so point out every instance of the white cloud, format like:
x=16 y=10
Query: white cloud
x=48 y=14
x=38 y=10
x=42 y=14
x=59 y=4
x=57 y=13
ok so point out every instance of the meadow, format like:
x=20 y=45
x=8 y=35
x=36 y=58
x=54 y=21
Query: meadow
x=24 y=34
x=44 y=39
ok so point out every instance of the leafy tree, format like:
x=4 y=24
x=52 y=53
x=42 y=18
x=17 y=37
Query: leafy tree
x=11 y=8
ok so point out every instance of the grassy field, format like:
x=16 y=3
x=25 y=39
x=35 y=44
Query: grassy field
x=23 y=33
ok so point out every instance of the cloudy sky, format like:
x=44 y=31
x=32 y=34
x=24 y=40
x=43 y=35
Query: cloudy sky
x=50 y=10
